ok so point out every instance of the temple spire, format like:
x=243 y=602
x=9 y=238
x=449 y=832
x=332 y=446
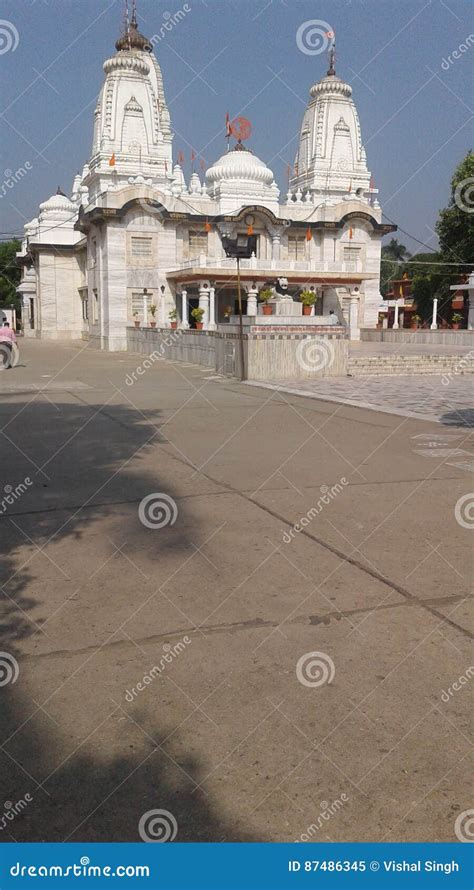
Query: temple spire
x=332 y=59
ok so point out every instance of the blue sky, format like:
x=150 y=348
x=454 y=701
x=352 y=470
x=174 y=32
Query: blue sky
x=242 y=56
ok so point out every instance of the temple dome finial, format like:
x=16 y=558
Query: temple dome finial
x=332 y=60
x=131 y=37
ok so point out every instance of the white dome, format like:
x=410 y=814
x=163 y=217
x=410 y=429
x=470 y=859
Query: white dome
x=239 y=164
x=58 y=203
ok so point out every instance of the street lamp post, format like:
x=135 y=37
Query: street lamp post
x=239 y=248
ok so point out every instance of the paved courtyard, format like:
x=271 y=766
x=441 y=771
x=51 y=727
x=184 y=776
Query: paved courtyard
x=243 y=607
x=448 y=398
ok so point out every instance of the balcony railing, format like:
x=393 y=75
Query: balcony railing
x=203 y=261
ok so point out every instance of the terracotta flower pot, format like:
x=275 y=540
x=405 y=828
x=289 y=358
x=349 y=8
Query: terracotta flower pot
x=173 y=325
x=306 y=310
x=267 y=310
x=414 y=327
x=153 y=324
x=199 y=325
x=137 y=324
x=455 y=326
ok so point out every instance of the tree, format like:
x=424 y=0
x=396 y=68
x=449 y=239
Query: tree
x=393 y=254
x=455 y=226
x=395 y=251
x=10 y=273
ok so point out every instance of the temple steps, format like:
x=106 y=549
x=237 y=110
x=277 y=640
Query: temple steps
x=368 y=366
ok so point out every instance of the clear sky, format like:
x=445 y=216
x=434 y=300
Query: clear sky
x=414 y=97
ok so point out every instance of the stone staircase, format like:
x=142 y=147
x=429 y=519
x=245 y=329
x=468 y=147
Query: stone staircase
x=408 y=365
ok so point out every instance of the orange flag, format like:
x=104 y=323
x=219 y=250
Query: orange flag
x=228 y=130
x=181 y=158
x=250 y=230
x=207 y=226
x=309 y=235
x=112 y=161
x=350 y=233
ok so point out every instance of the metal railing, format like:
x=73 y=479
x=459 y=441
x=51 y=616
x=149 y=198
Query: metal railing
x=203 y=261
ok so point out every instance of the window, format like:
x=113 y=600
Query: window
x=197 y=242
x=296 y=247
x=141 y=247
x=95 y=309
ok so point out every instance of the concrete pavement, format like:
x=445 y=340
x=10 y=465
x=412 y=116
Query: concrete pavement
x=255 y=680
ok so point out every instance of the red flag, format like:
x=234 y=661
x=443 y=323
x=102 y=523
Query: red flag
x=193 y=155
x=181 y=158
x=309 y=234
x=228 y=129
x=350 y=233
x=202 y=164
x=112 y=161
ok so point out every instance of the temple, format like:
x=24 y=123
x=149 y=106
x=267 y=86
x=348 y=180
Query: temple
x=133 y=234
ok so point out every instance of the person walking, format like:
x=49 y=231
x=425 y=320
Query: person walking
x=7 y=341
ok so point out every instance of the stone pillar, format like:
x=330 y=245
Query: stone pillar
x=276 y=241
x=212 y=309
x=395 y=319
x=434 y=324
x=204 y=302
x=184 y=310
x=252 y=292
x=354 y=330
x=161 y=310
x=470 y=317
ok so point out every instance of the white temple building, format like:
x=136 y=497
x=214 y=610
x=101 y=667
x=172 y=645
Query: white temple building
x=134 y=234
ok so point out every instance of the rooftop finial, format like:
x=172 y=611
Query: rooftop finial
x=134 y=22
x=131 y=38
x=332 y=58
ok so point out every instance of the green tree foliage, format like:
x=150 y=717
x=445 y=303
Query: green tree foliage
x=10 y=273
x=455 y=226
x=393 y=254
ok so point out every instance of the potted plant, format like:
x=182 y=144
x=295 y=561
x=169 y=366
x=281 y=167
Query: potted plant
x=308 y=299
x=456 y=321
x=173 y=317
x=227 y=312
x=415 y=321
x=153 y=313
x=265 y=295
x=136 y=319
x=198 y=315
